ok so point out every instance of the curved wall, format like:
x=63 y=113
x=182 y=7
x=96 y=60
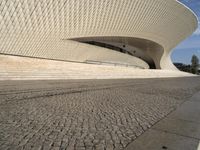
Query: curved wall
x=44 y=28
x=147 y=50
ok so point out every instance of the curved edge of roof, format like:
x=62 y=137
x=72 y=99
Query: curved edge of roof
x=189 y=9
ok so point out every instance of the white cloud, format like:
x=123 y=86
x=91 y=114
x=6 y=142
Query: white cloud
x=197 y=32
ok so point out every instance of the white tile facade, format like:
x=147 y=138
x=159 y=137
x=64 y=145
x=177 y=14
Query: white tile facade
x=42 y=28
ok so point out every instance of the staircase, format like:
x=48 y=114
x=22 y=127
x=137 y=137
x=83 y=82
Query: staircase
x=22 y=68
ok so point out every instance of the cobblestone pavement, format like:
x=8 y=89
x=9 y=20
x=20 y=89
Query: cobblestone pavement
x=85 y=114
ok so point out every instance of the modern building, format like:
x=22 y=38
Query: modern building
x=137 y=33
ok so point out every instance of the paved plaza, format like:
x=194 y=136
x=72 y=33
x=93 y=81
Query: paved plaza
x=86 y=114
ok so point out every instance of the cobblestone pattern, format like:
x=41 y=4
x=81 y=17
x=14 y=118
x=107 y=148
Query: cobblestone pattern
x=84 y=115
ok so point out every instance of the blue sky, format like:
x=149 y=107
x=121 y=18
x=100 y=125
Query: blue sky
x=184 y=51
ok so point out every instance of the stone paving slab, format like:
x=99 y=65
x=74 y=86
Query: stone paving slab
x=160 y=140
x=178 y=131
x=195 y=98
x=189 y=111
x=180 y=127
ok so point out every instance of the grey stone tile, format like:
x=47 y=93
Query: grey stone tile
x=159 y=140
x=189 y=111
x=196 y=97
x=180 y=127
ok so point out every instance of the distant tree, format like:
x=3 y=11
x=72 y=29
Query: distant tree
x=195 y=64
x=183 y=67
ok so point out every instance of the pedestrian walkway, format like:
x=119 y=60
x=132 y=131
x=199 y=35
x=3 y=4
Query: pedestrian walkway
x=94 y=114
x=178 y=131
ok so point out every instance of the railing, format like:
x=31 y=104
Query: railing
x=112 y=63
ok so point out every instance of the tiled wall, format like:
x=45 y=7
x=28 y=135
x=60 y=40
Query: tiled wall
x=41 y=28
